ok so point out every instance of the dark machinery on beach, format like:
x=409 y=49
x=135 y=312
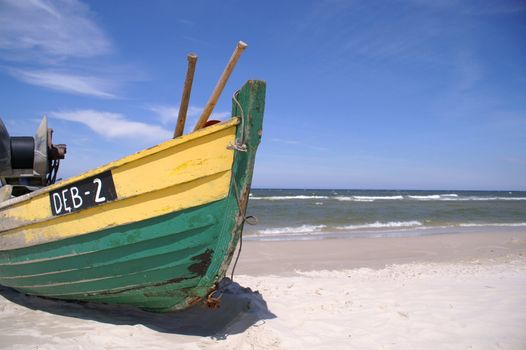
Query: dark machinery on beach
x=28 y=163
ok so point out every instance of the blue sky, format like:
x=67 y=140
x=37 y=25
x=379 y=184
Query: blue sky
x=360 y=94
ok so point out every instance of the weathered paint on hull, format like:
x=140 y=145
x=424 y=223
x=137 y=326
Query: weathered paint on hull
x=158 y=264
x=162 y=262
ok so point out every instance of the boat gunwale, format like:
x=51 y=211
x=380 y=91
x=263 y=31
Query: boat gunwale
x=233 y=121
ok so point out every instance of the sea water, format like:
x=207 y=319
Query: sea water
x=315 y=214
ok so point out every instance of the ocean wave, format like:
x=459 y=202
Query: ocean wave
x=287 y=230
x=496 y=198
x=430 y=197
x=456 y=197
x=515 y=224
x=348 y=199
x=449 y=196
x=366 y=198
x=478 y=198
x=372 y=230
x=281 y=198
x=378 y=197
x=377 y=224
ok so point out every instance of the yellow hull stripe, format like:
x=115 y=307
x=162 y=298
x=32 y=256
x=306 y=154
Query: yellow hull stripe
x=182 y=173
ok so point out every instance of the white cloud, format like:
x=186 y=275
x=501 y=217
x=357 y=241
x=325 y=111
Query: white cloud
x=168 y=114
x=114 y=125
x=219 y=115
x=49 y=30
x=48 y=33
x=77 y=84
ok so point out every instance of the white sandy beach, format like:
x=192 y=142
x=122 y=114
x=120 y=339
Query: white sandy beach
x=452 y=291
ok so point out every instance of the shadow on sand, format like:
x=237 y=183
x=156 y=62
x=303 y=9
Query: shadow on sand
x=240 y=308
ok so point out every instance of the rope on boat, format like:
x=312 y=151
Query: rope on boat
x=240 y=143
x=241 y=233
x=213 y=301
x=240 y=146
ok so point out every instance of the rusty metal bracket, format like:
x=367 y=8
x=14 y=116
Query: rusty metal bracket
x=211 y=301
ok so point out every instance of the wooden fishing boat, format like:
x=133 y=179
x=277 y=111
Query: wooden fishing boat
x=156 y=229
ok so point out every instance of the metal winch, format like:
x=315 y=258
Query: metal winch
x=28 y=163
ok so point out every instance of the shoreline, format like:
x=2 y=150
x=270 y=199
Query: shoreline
x=284 y=257
x=389 y=232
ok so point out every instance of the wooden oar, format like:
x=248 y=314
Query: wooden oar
x=241 y=46
x=185 y=99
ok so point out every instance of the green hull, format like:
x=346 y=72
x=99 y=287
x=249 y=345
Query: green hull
x=156 y=264
x=165 y=263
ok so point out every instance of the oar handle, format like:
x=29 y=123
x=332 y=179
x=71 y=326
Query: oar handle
x=185 y=99
x=241 y=46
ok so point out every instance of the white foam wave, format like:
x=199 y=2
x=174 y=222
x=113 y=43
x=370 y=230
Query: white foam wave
x=377 y=224
x=346 y=198
x=449 y=196
x=289 y=230
x=282 y=198
x=378 y=197
x=515 y=224
x=435 y=197
x=365 y=198
x=431 y=197
x=475 y=198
